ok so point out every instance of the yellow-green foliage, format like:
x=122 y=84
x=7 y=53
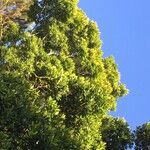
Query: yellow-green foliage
x=58 y=80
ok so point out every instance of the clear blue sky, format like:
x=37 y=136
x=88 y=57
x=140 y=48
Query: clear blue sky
x=125 y=32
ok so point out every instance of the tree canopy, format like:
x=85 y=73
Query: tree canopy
x=117 y=134
x=55 y=85
x=12 y=10
x=142 y=137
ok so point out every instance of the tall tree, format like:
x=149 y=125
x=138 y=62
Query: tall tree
x=56 y=87
x=116 y=133
x=142 y=137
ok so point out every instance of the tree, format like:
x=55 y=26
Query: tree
x=11 y=10
x=116 y=134
x=142 y=137
x=56 y=87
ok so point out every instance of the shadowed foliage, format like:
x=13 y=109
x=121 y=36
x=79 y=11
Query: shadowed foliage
x=117 y=134
x=142 y=137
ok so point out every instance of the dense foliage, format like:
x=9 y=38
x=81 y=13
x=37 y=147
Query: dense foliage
x=117 y=134
x=55 y=85
x=142 y=137
x=12 y=10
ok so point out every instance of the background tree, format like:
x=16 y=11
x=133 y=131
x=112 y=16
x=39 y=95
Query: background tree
x=55 y=85
x=142 y=137
x=12 y=10
x=116 y=133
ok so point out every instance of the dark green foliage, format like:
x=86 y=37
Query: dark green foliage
x=142 y=137
x=116 y=133
x=5 y=141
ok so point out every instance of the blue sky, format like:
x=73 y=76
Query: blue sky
x=125 y=32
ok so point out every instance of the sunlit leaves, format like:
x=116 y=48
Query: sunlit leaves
x=56 y=80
